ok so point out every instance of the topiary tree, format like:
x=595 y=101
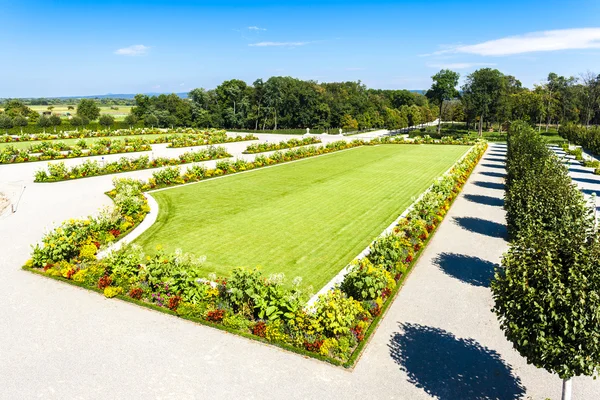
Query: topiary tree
x=44 y=122
x=6 y=122
x=547 y=296
x=88 y=108
x=106 y=121
x=151 y=120
x=20 y=121
x=547 y=291
x=130 y=120
x=55 y=121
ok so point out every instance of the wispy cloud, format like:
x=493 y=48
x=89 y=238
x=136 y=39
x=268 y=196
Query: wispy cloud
x=135 y=50
x=561 y=39
x=278 y=44
x=256 y=28
x=459 y=65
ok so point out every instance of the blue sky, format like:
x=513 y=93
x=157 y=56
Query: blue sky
x=61 y=48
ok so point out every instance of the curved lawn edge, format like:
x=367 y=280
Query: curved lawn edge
x=146 y=223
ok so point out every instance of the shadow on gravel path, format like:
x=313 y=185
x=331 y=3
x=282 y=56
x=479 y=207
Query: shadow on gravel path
x=448 y=367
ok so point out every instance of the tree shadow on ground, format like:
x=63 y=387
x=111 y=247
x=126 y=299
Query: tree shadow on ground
x=581 y=170
x=587 y=180
x=472 y=270
x=499 y=166
x=489 y=185
x=482 y=226
x=447 y=367
x=494 y=159
x=493 y=174
x=485 y=200
x=591 y=192
x=498 y=154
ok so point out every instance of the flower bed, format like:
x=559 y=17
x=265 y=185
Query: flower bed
x=59 y=172
x=45 y=151
x=335 y=328
x=59 y=150
x=263 y=147
x=204 y=139
x=85 y=133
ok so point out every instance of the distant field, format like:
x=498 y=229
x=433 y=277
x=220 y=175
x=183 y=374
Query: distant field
x=64 y=108
x=308 y=218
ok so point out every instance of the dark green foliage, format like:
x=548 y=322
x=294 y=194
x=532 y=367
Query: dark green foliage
x=88 y=108
x=547 y=291
x=538 y=187
x=588 y=138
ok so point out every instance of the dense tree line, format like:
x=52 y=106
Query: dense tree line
x=487 y=97
x=287 y=103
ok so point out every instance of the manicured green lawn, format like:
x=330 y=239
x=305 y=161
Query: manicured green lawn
x=308 y=218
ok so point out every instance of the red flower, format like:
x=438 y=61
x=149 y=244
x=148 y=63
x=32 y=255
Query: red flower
x=260 y=329
x=104 y=282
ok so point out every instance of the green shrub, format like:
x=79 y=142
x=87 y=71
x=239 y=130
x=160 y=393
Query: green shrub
x=366 y=282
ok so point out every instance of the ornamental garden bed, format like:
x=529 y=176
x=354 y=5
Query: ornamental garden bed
x=244 y=300
x=56 y=172
x=56 y=150
x=263 y=147
x=86 y=133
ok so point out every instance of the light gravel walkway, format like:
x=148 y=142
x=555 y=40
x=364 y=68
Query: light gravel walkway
x=439 y=337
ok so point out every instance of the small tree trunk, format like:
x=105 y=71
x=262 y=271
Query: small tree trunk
x=480 y=126
x=439 y=130
x=566 y=389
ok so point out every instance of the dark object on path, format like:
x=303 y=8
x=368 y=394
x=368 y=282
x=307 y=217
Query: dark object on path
x=493 y=174
x=581 y=170
x=486 y=200
x=471 y=270
x=587 y=180
x=449 y=368
x=499 y=166
x=482 y=226
x=489 y=185
x=591 y=192
x=492 y=159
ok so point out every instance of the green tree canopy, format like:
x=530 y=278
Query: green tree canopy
x=443 y=89
x=89 y=109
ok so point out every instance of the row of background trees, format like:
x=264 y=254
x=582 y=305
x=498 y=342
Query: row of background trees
x=487 y=98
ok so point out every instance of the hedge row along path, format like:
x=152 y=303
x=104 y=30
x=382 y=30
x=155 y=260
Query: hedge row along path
x=450 y=341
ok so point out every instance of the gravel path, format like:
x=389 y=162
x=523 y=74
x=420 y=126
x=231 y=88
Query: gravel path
x=439 y=338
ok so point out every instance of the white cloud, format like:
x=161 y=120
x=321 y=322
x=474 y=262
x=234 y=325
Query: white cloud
x=278 y=44
x=156 y=87
x=561 y=39
x=182 y=84
x=459 y=65
x=256 y=28
x=135 y=50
